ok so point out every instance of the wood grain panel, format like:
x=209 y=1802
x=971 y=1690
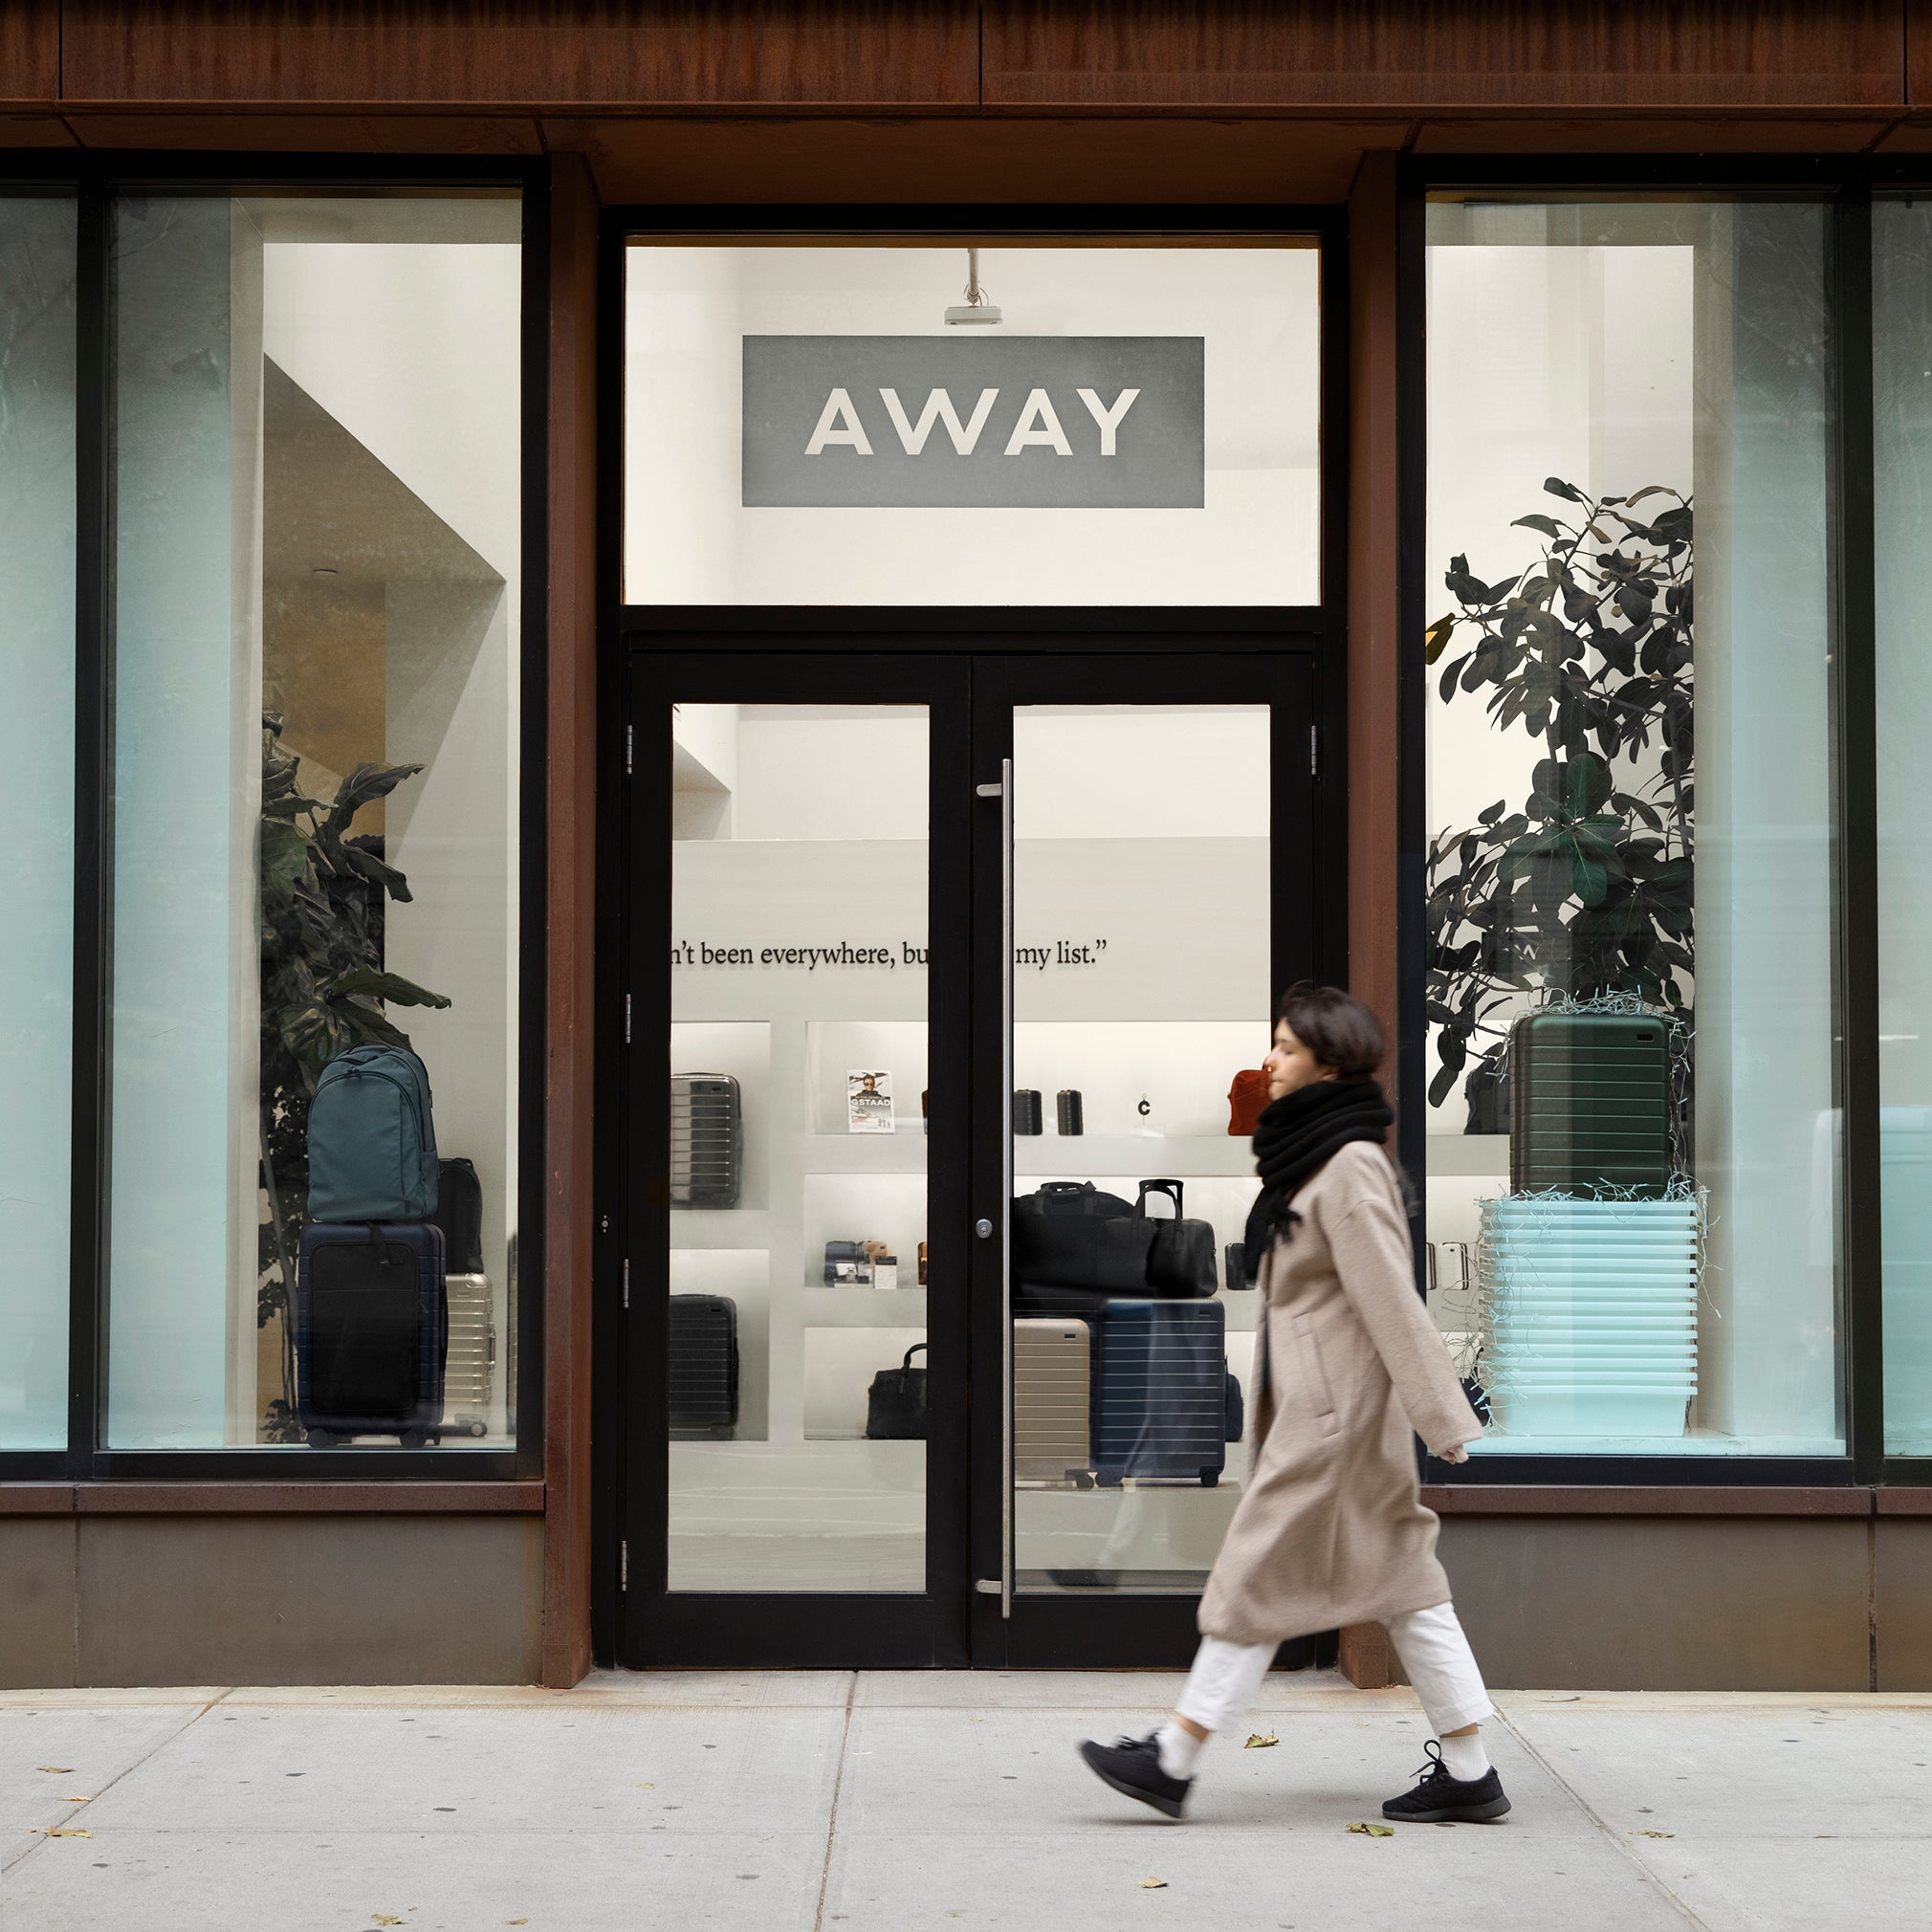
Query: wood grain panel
x=1632 y=133
x=569 y=1121
x=34 y=130
x=30 y=51
x=313 y=132
x=1445 y=52
x=673 y=52
x=1919 y=52
x=948 y=159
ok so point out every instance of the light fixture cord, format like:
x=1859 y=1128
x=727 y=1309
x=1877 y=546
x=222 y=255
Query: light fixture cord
x=975 y=296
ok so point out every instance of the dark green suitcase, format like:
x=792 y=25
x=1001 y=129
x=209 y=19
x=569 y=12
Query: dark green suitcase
x=1589 y=1102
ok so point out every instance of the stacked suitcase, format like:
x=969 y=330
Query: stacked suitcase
x=704 y=1366
x=371 y=1331
x=1052 y=1383
x=1589 y=1102
x=1160 y=1408
x=706 y=1140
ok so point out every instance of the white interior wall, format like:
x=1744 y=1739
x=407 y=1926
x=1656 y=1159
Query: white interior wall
x=687 y=539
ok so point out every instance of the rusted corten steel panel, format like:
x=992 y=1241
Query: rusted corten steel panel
x=595 y=52
x=1437 y=54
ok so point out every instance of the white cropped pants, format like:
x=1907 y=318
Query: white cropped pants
x=1226 y=1677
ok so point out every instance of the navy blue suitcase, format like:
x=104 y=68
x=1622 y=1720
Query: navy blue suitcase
x=1159 y=1402
x=372 y=1330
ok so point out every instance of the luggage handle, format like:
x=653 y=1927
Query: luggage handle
x=1066 y=1190
x=1172 y=1189
x=917 y=1348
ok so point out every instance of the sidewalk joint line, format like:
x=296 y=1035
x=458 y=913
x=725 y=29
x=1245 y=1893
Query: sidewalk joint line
x=1589 y=1811
x=838 y=1785
x=187 y=1723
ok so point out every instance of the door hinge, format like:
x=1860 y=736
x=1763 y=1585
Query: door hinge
x=627 y=1282
x=623 y=1565
x=629 y=749
x=1315 y=750
x=626 y=1019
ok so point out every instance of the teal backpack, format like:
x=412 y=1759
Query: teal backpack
x=372 y=1142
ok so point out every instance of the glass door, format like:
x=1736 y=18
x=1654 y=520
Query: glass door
x=795 y=1238
x=1147 y=890
x=918 y=945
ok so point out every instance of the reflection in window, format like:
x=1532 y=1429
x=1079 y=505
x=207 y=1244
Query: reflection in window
x=316 y=468
x=1631 y=1171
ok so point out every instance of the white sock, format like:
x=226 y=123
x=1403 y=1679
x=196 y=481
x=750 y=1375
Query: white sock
x=1464 y=1756
x=1179 y=1749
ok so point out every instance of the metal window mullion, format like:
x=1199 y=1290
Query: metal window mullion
x=1854 y=688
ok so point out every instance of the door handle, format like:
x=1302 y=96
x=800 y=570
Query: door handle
x=984 y=1228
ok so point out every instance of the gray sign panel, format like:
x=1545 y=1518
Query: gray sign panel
x=968 y=423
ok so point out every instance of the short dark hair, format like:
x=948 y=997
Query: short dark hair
x=1335 y=1027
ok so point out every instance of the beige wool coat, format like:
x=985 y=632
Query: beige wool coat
x=1330 y=1530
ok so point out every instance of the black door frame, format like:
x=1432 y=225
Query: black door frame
x=971 y=680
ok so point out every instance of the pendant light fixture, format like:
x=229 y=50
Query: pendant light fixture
x=975 y=310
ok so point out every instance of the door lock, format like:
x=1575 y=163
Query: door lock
x=984 y=1228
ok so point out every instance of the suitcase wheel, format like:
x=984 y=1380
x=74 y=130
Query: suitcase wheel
x=418 y=1439
x=1108 y=1479
x=1081 y=1479
x=324 y=1439
x=1211 y=1479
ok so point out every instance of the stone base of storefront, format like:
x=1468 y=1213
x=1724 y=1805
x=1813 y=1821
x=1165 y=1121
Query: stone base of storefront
x=103 y=1596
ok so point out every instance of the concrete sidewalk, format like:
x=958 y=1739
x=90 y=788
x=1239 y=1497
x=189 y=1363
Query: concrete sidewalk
x=902 y=1802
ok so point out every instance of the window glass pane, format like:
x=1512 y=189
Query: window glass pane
x=1901 y=373
x=1141 y=426
x=36 y=804
x=1139 y=831
x=1632 y=1172
x=315 y=476
x=797 y=1167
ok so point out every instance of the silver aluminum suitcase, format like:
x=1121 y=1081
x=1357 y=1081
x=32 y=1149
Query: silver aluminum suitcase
x=469 y=1372
x=1052 y=1372
x=706 y=1140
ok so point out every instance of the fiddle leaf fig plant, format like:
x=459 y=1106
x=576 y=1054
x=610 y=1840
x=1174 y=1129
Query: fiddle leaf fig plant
x=1582 y=889
x=324 y=988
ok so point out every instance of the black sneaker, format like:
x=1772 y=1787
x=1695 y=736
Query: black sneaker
x=1131 y=1766
x=1443 y=1800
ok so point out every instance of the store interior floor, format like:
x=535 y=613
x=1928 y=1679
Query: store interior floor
x=924 y=1802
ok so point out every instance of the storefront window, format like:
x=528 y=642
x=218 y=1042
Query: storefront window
x=1112 y=426
x=316 y=472
x=1902 y=349
x=1631 y=1137
x=37 y=803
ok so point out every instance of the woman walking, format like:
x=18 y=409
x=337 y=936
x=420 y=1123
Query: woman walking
x=1330 y=1530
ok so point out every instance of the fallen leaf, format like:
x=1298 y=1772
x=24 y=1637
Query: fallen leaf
x=78 y=1801
x=525 y=1922
x=385 y=1918
x=55 y=1831
x=1154 y=1884
x=56 y=1770
x=1653 y=1834
x=1374 y=1830
x=516 y=1922
x=1257 y=1742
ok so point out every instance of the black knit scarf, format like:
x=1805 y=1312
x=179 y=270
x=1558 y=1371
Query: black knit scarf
x=1294 y=1136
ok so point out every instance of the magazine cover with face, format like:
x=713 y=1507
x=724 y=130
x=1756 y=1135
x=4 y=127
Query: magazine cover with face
x=869 y=1102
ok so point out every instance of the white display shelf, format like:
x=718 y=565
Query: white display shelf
x=864 y=1308
x=901 y=1152
x=1181 y=1156
x=701 y=1230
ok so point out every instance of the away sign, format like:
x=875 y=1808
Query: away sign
x=938 y=422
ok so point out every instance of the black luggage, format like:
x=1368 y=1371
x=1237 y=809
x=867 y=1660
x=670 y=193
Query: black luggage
x=459 y=1214
x=372 y=1330
x=1589 y=1102
x=1069 y=1235
x=1160 y=1408
x=704 y=1366
x=1180 y=1259
x=706 y=1140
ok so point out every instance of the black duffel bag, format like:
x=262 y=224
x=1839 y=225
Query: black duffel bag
x=1071 y=1242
